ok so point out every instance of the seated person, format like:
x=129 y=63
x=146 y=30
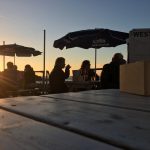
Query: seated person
x=9 y=78
x=111 y=71
x=17 y=72
x=29 y=77
x=87 y=73
x=57 y=76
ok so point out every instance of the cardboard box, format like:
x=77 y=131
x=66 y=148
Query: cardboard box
x=135 y=78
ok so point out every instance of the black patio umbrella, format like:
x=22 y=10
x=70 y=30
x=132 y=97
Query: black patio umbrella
x=18 y=50
x=92 y=38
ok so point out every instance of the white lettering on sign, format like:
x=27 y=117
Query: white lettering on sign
x=100 y=43
x=145 y=34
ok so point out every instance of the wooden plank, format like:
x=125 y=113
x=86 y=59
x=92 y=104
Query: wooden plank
x=110 y=98
x=121 y=127
x=20 y=133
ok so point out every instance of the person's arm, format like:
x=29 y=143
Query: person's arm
x=67 y=71
x=97 y=77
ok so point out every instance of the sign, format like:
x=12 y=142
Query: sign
x=139 y=45
x=140 y=34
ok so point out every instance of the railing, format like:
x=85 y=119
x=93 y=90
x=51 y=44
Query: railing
x=97 y=68
x=45 y=81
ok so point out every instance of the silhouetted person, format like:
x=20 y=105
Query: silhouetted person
x=57 y=76
x=19 y=75
x=29 y=77
x=111 y=72
x=87 y=73
x=10 y=77
x=15 y=67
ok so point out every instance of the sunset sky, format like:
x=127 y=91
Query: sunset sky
x=23 y=21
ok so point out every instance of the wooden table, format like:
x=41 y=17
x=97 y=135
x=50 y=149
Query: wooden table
x=89 y=120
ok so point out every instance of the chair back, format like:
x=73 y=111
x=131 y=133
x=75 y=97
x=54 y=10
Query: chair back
x=76 y=75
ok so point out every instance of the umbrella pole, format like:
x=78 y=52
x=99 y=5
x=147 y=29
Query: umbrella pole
x=95 y=61
x=4 y=58
x=4 y=62
x=14 y=60
x=44 y=64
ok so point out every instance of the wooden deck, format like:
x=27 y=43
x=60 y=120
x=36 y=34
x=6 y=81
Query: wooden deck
x=89 y=120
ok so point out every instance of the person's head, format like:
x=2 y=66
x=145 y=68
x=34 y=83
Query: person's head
x=117 y=57
x=60 y=62
x=27 y=67
x=15 y=67
x=10 y=65
x=85 y=64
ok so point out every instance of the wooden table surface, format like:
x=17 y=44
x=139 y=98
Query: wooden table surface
x=94 y=120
